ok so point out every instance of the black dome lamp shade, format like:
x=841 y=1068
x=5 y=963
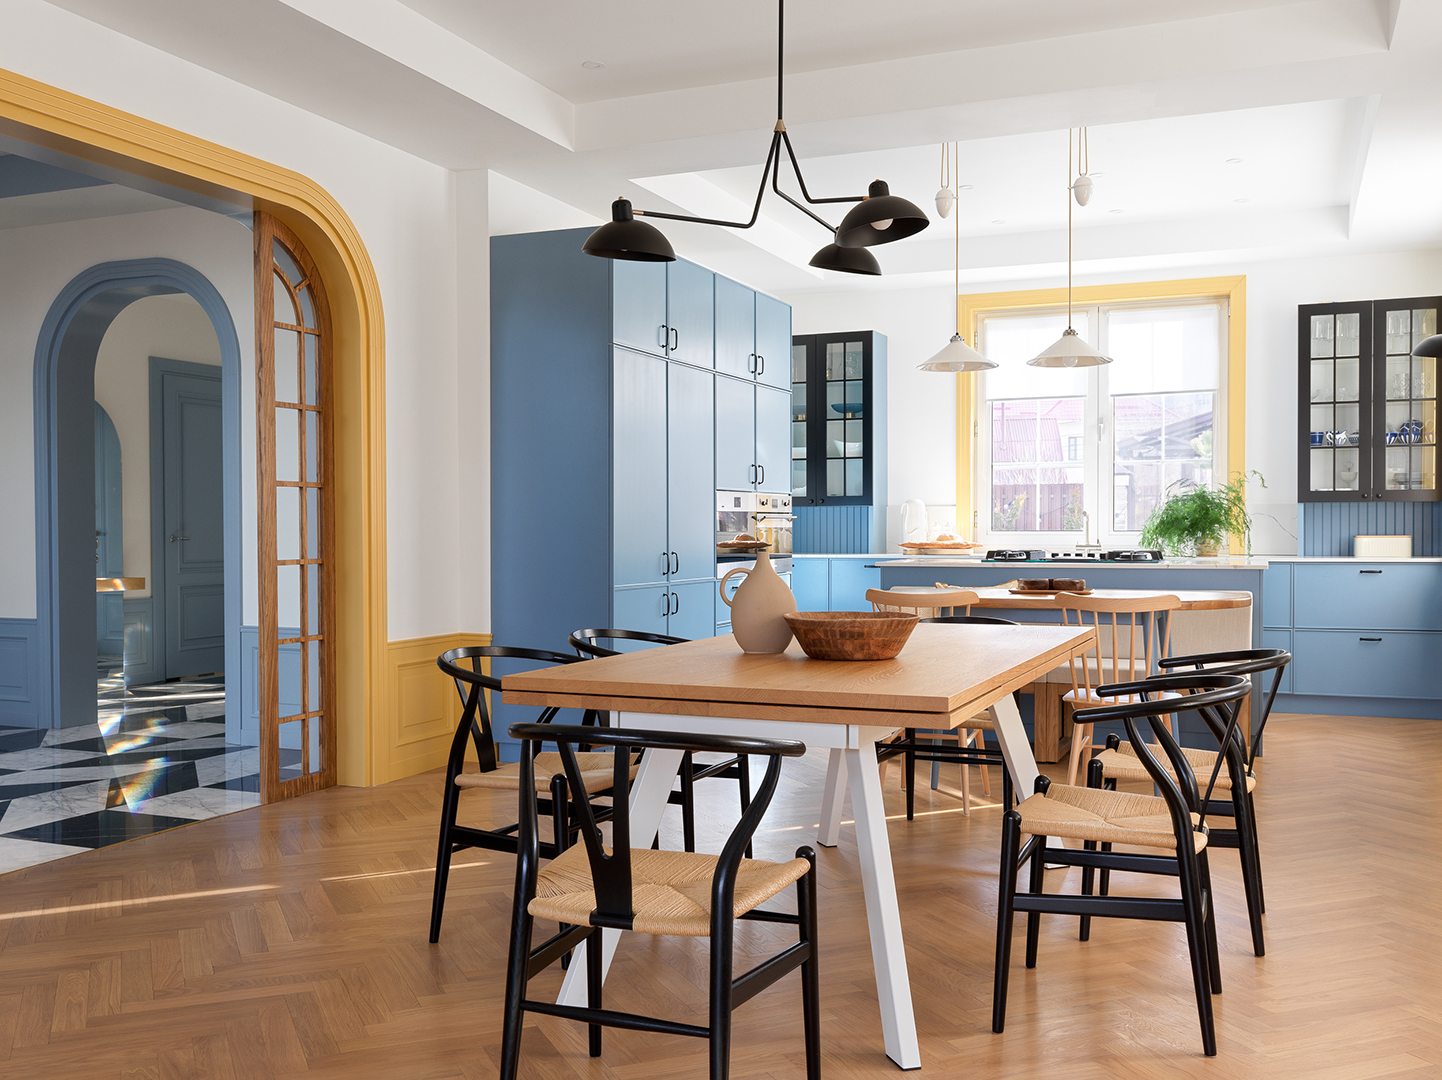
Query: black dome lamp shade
x=1431 y=346
x=855 y=260
x=879 y=219
x=623 y=237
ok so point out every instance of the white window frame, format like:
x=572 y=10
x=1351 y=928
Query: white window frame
x=1097 y=460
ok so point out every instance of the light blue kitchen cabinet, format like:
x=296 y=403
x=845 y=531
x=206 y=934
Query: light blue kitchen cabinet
x=850 y=578
x=690 y=450
x=1395 y=596
x=643 y=608
x=1278 y=639
x=1277 y=595
x=639 y=426
x=773 y=343
x=773 y=439
x=1367 y=663
x=691 y=612
x=690 y=313
x=638 y=305
x=735 y=328
x=811 y=584
x=735 y=434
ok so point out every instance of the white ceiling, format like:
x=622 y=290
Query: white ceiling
x=1331 y=105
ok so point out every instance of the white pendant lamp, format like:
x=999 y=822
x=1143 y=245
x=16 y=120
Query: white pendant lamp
x=1071 y=349
x=945 y=197
x=956 y=355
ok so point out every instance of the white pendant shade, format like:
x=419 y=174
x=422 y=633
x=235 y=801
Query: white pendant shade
x=945 y=200
x=1069 y=350
x=1082 y=188
x=957 y=356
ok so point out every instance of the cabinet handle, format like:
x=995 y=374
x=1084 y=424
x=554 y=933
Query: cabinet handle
x=664 y=335
x=751 y=363
x=675 y=339
x=665 y=596
x=1359 y=639
x=675 y=563
x=1369 y=571
x=676 y=606
x=665 y=562
x=760 y=364
x=173 y=537
x=761 y=478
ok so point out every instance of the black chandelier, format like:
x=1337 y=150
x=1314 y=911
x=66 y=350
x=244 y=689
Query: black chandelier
x=879 y=218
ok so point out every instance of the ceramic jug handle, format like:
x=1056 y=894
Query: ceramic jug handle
x=729 y=573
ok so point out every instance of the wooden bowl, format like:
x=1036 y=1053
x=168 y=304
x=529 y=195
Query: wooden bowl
x=851 y=635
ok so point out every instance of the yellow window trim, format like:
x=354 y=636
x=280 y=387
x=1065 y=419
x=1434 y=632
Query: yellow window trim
x=969 y=309
x=48 y=117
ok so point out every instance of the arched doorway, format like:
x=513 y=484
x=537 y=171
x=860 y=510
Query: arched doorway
x=64 y=384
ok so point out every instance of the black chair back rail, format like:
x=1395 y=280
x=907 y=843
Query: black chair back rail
x=611 y=876
x=1240 y=662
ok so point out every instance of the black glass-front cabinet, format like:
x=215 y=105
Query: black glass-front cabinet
x=1367 y=408
x=836 y=417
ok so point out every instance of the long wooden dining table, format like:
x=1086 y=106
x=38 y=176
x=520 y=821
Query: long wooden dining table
x=944 y=676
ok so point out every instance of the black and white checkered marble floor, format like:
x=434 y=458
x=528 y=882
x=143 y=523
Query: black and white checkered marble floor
x=157 y=758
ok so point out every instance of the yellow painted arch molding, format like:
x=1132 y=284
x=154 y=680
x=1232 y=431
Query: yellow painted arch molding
x=48 y=117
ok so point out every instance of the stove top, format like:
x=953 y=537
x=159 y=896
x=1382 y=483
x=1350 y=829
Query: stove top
x=1038 y=555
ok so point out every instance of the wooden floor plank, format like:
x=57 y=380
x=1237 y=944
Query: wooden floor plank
x=291 y=939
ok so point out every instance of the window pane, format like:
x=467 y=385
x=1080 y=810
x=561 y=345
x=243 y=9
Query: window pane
x=1035 y=487
x=1158 y=441
x=1164 y=349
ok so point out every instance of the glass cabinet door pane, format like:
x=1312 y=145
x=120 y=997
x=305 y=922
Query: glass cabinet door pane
x=1323 y=331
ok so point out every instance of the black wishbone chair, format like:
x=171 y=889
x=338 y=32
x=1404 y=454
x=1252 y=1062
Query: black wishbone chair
x=1172 y=822
x=464 y=666
x=592 y=886
x=1119 y=762
x=587 y=644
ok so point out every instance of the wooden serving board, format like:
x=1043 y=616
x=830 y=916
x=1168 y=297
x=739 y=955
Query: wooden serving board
x=1050 y=592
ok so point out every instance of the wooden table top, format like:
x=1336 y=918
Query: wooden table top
x=941 y=677
x=1192 y=599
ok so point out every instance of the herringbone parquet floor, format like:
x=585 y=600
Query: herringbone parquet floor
x=290 y=940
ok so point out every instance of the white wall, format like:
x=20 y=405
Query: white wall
x=922 y=422
x=405 y=211
x=35 y=264
x=174 y=327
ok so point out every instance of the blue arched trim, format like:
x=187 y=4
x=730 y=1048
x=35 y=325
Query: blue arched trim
x=64 y=381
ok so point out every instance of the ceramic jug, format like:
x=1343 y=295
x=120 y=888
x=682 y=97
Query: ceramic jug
x=757 y=610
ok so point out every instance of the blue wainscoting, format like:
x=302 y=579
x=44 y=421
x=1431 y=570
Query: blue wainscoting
x=832 y=530
x=141 y=663
x=1327 y=528
x=20 y=677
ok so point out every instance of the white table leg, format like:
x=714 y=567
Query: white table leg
x=1020 y=761
x=832 y=800
x=883 y=916
x=649 y=794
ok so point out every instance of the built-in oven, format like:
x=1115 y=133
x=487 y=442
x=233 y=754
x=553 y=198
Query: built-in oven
x=765 y=515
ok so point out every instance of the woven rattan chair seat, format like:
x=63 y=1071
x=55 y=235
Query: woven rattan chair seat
x=670 y=890
x=597 y=770
x=1123 y=764
x=1117 y=817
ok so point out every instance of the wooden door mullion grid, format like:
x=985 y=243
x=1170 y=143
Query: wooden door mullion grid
x=310 y=414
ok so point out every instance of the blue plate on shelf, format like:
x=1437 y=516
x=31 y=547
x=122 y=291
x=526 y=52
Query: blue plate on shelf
x=849 y=408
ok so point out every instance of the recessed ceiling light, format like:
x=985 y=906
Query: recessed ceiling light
x=1241 y=200
x=592 y=65
x=998 y=221
x=1234 y=161
x=1116 y=211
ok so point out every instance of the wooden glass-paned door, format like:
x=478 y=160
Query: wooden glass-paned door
x=295 y=518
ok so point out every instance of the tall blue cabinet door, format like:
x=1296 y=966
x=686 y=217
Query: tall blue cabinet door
x=691 y=482
x=736 y=329
x=690 y=312
x=811 y=584
x=773 y=438
x=638 y=305
x=693 y=612
x=638 y=462
x=773 y=341
x=735 y=434
x=641 y=609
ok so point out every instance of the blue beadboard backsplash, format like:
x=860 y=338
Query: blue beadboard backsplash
x=1328 y=528
x=832 y=530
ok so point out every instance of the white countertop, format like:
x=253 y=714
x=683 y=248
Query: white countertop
x=1256 y=562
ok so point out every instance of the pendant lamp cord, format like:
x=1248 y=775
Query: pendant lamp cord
x=945 y=172
x=780 y=53
x=1068 y=227
x=956 y=248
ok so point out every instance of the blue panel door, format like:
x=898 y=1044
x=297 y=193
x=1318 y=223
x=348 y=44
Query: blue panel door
x=638 y=305
x=193 y=520
x=109 y=607
x=1396 y=596
x=736 y=329
x=690 y=312
x=773 y=439
x=693 y=612
x=773 y=341
x=811 y=584
x=849 y=581
x=735 y=434
x=691 y=479
x=641 y=609
x=638 y=460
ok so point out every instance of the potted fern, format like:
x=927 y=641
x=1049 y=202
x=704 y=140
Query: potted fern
x=1197 y=520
